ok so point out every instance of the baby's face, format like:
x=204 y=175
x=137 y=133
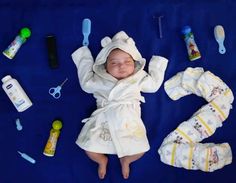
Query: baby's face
x=120 y=64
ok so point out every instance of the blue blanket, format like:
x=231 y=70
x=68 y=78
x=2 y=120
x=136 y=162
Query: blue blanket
x=161 y=115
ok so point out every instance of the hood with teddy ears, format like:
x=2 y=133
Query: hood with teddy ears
x=122 y=41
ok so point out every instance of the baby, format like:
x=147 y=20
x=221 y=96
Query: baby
x=116 y=80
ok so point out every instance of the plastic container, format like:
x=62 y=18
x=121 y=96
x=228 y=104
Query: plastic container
x=16 y=93
x=12 y=49
x=193 y=52
x=50 y=147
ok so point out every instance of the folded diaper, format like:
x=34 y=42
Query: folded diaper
x=174 y=88
x=206 y=157
x=181 y=148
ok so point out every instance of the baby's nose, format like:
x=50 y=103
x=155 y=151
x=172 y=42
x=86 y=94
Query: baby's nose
x=122 y=65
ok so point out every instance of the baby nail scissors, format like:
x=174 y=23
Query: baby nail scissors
x=56 y=91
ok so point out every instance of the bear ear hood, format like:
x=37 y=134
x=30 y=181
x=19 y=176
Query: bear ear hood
x=122 y=41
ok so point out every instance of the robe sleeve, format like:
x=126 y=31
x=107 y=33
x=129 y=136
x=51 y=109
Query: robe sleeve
x=156 y=70
x=84 y=61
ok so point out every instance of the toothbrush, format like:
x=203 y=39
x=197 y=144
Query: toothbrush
x=220 y=37
x=86 y=29
x=27 y=157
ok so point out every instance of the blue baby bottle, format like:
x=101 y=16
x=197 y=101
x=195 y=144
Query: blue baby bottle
x=193 y=52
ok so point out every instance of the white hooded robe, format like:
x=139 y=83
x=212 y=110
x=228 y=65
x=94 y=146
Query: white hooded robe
x=116 y=126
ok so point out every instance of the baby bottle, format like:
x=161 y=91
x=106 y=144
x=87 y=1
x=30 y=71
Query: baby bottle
x=193 y=52
x=50 y=147
x=12 y=49
x=16 y=93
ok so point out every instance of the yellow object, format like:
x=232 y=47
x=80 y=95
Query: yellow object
x=50 y=147
x=57 y=125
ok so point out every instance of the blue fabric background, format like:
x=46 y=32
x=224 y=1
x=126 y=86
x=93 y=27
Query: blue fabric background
x=161 y=115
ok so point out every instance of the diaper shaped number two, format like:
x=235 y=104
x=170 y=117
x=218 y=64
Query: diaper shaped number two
x=182 y=147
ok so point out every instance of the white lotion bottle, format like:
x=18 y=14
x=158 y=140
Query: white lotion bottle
x=16 y=93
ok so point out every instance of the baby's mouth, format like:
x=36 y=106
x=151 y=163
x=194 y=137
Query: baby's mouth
x=122 y=71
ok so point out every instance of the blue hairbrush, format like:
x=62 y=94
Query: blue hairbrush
x=86 y=29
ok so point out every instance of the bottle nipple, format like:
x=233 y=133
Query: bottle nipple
x=57 y=125
x=186 y=30
x=25 y=33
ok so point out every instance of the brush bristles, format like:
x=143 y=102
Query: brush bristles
x=219 y=31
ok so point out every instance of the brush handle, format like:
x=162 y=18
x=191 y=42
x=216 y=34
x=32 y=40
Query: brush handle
x=222 y=49
x=85 y=40
x=27 y=157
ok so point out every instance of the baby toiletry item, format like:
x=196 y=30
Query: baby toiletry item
x=12 y=49
x=52 y=51
x=56 y=91
x=193 y=52
x=16 y=93
x=27 y=157
x=220 y=37
x=160 y=25
x=18 y=125
x=50 y=147
x=86 y=29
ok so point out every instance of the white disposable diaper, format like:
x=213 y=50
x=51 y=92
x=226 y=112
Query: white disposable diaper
x=181 y=148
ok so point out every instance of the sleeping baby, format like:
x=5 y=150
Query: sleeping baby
x=116 y=79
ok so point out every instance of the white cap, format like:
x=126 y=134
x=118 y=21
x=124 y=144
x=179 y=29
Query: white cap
x=6 y=78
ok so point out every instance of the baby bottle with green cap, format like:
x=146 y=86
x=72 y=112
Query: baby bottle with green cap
x=12 y=49
x=50 y=147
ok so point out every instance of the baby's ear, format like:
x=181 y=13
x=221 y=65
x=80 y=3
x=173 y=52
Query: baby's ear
x=105 y=41
x=130 y=41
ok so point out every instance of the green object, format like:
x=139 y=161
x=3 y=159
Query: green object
x=25 y=32
x=57 y=125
